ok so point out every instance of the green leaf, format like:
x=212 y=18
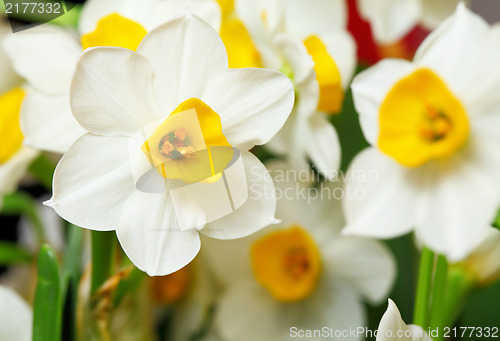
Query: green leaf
x=11 y=253
x=48 y=298
x=496 y=223
x=71 y=273
x=128 y=285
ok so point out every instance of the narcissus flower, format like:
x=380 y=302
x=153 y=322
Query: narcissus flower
x=16 y=316
x=311 y=45
x=14 y=157
x=301 y=273
x=46 y=56
x=391 y=20
x=130 y=103
x=392 y=327
x=435 y=140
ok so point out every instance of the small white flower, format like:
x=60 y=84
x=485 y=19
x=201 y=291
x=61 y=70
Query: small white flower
x=118 y=93
x=391 y=20
x=310 y=44
x=46 y=56
x=14 y=157
x=301 y=273
x=15 y=316
x=435 y=142
x=392 y=327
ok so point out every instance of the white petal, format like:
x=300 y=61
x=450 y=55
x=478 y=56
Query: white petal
x=380 y=196
x=370 y=88
x=322 y=145
x=208 y=10
x=365 y=264
x=185 y=54
x=229 y=259
x=247 y=312
x=302 y=19
x=304 y=76
x=459 y=203
x=435 y=12
x=111 y=93
x=256 y=213
x=390 y=19
x=485 y=143
x=9 y=78
x=465 y=35
x=149 y=232
x=16 y=316
x=253 y=104
x=14 y=169
x=95 y=10
x=45 y=56
x=148 y=13
x=333 y=304
x=92 y=181
x=390 y=324
x=47 y=122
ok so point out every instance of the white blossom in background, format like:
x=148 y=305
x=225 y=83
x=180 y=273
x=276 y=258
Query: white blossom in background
x=300 y=273
x=311 y=45
x=435 y=142
x=16 y=316
x=391 y=20
x=14 y=157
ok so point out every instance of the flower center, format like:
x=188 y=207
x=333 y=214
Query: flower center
x=421 y=120
x=115 y=30
x=189 y=145
x=287 y=263
x=328 y=76
x=10 y=130
x=171 y=288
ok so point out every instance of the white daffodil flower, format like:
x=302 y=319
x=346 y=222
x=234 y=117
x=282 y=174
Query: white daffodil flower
x=46 y=57
x=310 y=44
x=14 y=157
x=435 y=142
x=300 y=275
x=392 y=327
x=391 y=20
x=16 y=316
x=137 y=107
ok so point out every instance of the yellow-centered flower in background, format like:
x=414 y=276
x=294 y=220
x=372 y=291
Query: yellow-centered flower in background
x=435 y=144
x=300 y=273
x=14 y=157
x=310 y=44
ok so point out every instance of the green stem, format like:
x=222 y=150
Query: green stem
x=43 y=170
x=439 y=296
x=102 y=258
x=422 y=297
x=459 y=284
